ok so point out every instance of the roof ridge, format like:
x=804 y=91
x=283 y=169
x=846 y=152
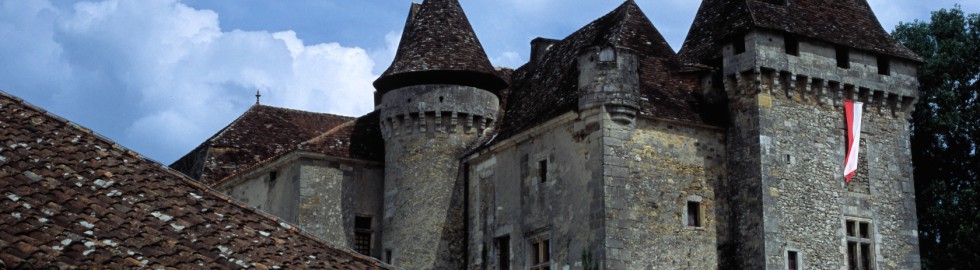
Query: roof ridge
x=206 y=190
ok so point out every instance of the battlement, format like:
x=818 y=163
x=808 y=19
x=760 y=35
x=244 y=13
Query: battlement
x=608 y=78
x=433 y=109
x=809 y=70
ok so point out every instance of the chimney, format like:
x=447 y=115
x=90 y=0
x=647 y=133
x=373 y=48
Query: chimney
x=540 y=46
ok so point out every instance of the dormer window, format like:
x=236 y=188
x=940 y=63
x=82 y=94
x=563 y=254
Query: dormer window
x=884 y=65
x=607 y=54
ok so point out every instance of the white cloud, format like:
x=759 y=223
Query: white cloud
x=509 y=59
x=166 y=76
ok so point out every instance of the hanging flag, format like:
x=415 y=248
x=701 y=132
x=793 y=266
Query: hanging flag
x=852 y=111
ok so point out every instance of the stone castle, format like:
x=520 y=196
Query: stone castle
x=607 y=150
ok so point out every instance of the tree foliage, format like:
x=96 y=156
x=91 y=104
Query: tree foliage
x=945 y=137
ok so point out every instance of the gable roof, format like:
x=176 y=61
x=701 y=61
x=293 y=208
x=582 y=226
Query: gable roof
x=70 y=198
x=843 y=22
x=260 y=133
x=549 y=88
x=356 y=139
x=438 y=46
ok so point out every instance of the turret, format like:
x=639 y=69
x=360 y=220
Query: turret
x=438 y=98
x=608 y=79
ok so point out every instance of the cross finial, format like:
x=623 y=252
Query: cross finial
x=257 y=97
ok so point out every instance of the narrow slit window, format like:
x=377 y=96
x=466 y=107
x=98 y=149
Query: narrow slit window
x=540 y=254
x=503 y=252
x=843 y=57
x=792 y=45
x=543 y=170
x=792 y=260
x=884 y=65
x=273 y=176
x=693 y=214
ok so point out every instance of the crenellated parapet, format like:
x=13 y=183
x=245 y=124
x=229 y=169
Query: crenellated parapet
x=434 y=109
x=822 y=73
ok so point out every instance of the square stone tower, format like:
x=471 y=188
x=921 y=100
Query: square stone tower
x=784 y=70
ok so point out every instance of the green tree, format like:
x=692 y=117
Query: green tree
x=945 y=137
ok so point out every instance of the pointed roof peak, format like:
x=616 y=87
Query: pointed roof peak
x=629 y=27
x=439 y=46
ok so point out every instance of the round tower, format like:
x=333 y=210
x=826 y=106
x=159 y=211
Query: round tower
x=438 y=97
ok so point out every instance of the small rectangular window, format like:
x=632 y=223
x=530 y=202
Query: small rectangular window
x=543 y=170
x=739 y=43
x=273 y=175
x=884 y=65
x=693 y=214
x=792 y=45
x=792 y=260
x=843 y=57
x=860 y=254
x=503 y=252
x=541 y=254
x=388 y=256
x=362 y=235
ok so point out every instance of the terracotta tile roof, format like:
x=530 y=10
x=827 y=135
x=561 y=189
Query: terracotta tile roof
x=550 y=88
x=70 y=198
x=260 y=133
x=438 y=46
x=843 y=22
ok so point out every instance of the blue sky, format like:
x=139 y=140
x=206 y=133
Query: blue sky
x=161 y=76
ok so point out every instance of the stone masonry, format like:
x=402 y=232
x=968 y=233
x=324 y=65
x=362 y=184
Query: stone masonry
x=608 y=150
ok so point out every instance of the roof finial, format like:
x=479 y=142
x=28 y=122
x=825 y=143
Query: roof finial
x=257 y=97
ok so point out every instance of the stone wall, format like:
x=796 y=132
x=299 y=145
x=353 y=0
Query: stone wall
x=786 y=149
x=508 y=197
x=666 y=164
x=320 y=194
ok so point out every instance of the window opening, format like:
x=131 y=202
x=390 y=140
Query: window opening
x=543 y=170
x=388 y=256
x=843 y=57
x=273 y=176
x=739 y=43
x=792 y=260
x=792 y=45
x=540 y=256
x=884 y=65
x=503 y=252
x=859 y=249
x=362 y=235
x=693 y=214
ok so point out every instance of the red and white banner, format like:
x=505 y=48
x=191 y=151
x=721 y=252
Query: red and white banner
x=852 y=110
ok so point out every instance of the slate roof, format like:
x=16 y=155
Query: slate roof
x=356 y=139
x=259 y=134
x=843 y=22
x=546 y=90
x=438 y=46
x=70 y=198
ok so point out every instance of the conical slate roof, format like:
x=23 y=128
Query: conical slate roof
x=550 y=88
x=843 y=22
x=439 y=47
